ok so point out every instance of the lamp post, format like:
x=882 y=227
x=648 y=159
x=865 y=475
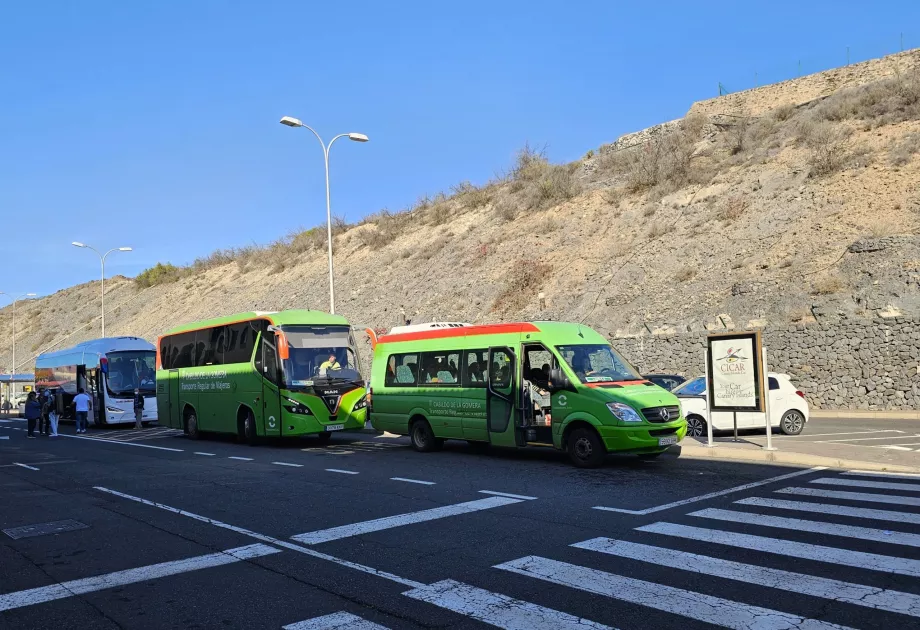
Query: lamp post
x=356 y=137
x=15 y=299
x=102 y=260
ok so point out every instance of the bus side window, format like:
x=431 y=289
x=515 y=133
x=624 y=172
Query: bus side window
x=474 y=368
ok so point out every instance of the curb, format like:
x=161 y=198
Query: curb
x=856 y=414
x=788 y=458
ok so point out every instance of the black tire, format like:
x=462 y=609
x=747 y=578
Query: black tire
x=477 y=446
x=792 y=422
x=696 y=426
x=250 y=435
x=191 y=426
x=648 y=456
x=325 y=438
x=422 y=437
x=585 y=448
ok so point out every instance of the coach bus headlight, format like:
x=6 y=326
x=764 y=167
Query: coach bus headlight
x=297 y=407
x=623 y=413
x=361 y=404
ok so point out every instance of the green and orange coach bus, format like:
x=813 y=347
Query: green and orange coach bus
x=552 y=384
x=279 y=374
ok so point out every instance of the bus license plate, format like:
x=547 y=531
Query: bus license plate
x=335 y=427
x=667 y=441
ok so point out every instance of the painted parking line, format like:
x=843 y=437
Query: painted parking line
x=83 y=437
x=816 y=527
x=335 y=621
x=342 y=472
x=399 y=520
x=43 y=594
x=852 y=496
x=242 y=459
x=872 y=473
x=858 y=483
x=419 y=481
x=703 y=497
x=522 y=497
x=25 y=466
x=835 y=590
x=700 y=606
x=202 y=453
x=811 y=435
x=887 y=437
x=288 y=464
x=789 y=548
x=497 y=609
x=838 y=510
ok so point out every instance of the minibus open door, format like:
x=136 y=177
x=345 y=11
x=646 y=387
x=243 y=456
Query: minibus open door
x=500 y=397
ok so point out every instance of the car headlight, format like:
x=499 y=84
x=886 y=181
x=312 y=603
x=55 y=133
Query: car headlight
x=297 y=407
x=114 y=410
x=361 y=404
x=624 y=413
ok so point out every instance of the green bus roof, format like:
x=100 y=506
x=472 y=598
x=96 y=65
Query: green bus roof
x=277 y=318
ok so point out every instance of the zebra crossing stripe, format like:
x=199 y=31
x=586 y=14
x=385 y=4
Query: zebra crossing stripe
x=335 y=621
x=700 y=606
x=839 y=510
x=852 y=496
x=844 y=592
x=792 y=549
x=497 y=609
x=817 y=527
x=890 y=475
x=859 y=483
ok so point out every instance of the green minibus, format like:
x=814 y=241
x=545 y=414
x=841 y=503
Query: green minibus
x=281 y=374
x=552 y=384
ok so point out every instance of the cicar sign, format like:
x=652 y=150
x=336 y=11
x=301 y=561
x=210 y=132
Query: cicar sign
x=734 y=372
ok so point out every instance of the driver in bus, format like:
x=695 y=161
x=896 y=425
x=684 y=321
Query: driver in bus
x=332 y=363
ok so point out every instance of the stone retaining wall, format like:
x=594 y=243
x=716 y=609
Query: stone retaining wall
x=843 y=365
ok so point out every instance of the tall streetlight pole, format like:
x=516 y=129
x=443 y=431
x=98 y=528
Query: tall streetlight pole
x=15 y=299
x=357 y=137
x=102 y=260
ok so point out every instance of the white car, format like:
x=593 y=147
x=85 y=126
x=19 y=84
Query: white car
x=788 y=408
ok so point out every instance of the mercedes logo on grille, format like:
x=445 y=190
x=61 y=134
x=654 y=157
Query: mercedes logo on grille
x=664 y=414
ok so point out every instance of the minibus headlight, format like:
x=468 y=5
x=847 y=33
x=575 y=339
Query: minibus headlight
x=361 y=404
x=297 y=407
x=623 y=413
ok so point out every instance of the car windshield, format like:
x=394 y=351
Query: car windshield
x=131 y=369
x=320 y=355
x=694 y=387
x=598 y=363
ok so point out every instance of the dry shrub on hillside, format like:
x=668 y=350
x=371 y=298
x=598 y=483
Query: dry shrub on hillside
x=473 y=196
x=505 y=209
x=901 y=152
x=558 y=183
x=522 y=283
x=829 y=284
x=884 y=102
x=658 y=229
x=828 y=145
x=783 y=112
x=734 y=208
x=159 y=274
x=881 y=225
x=384 y=227
x=685 y=274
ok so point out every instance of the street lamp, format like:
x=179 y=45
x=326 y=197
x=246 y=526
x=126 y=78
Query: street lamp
x=356 y=137
x=102 y=259
x=13 y=370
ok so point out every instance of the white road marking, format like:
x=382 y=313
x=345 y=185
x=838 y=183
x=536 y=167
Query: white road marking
x=840 y=510
x=288 y=464
x=25 y=466
x=44 y=594
x=242 y=459
x=887 y=437
x=891 y=447
x=207 y=454
x=700 y=606
x=410 y=518
x=852 y=496
x=846 y=592
x=872 y=473
x=703 y=497
x=522 y=497
x=498 y=610
x=268 y=539
x=859 y=483
x=816 y=527
x=335 y=621
x=811 y=435
x=419 y=481
x=342 y=472
x=790 y=548
x=4 y=437
x=83 y=437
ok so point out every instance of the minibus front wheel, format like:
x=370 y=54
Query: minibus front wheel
x=422 y=437
x=585 y=448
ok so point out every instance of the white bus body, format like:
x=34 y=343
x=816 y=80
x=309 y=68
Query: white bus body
x=108 y=370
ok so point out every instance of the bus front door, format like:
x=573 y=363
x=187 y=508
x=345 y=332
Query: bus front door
x=271 y=395
x=500 y=397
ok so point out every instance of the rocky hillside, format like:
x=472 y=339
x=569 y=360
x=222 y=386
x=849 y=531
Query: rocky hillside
x=787 y=204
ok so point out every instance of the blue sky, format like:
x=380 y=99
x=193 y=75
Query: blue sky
x=155 y=124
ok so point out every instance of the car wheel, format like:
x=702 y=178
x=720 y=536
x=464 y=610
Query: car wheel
x=422 y=437
x=191 y=426
x=792 y=422
x=585 y=448
x=250 y=434
x=696 y=426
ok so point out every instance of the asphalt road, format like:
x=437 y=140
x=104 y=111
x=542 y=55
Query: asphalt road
x=151 y=530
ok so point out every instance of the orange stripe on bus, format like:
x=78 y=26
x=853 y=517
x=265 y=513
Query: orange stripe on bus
x=460 y=331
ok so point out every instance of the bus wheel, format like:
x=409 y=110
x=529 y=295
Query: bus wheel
x=422 y=437
x=249 y=429
x=585 y=448
x=191 y=426
x=324 y=437
x=649 y=455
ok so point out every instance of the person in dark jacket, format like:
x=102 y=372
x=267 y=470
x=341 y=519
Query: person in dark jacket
x=138 y=408
x=33 y=413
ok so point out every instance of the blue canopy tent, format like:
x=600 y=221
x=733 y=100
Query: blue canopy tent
x=9 y=380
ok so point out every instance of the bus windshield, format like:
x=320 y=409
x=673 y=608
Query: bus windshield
x=320 y=355
x=131 y=369
x=598 y=363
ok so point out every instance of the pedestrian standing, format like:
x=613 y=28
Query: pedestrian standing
x=138 y=408
x=53 y=414
x=33 y=413
x=44 y=423
x=81 y=406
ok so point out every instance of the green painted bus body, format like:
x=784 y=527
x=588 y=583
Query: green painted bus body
x=222 y=395
x=457 y=411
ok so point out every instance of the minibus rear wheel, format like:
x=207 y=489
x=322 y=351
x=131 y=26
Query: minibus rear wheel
x=422 y=437
x=191 y=424
x=585 y=448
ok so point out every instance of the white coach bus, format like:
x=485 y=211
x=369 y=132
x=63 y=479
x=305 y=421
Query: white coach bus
x=108 y=370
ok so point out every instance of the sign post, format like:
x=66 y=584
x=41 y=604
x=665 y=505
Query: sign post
x=766 y=404
x=735 y=374
x=708 y=413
